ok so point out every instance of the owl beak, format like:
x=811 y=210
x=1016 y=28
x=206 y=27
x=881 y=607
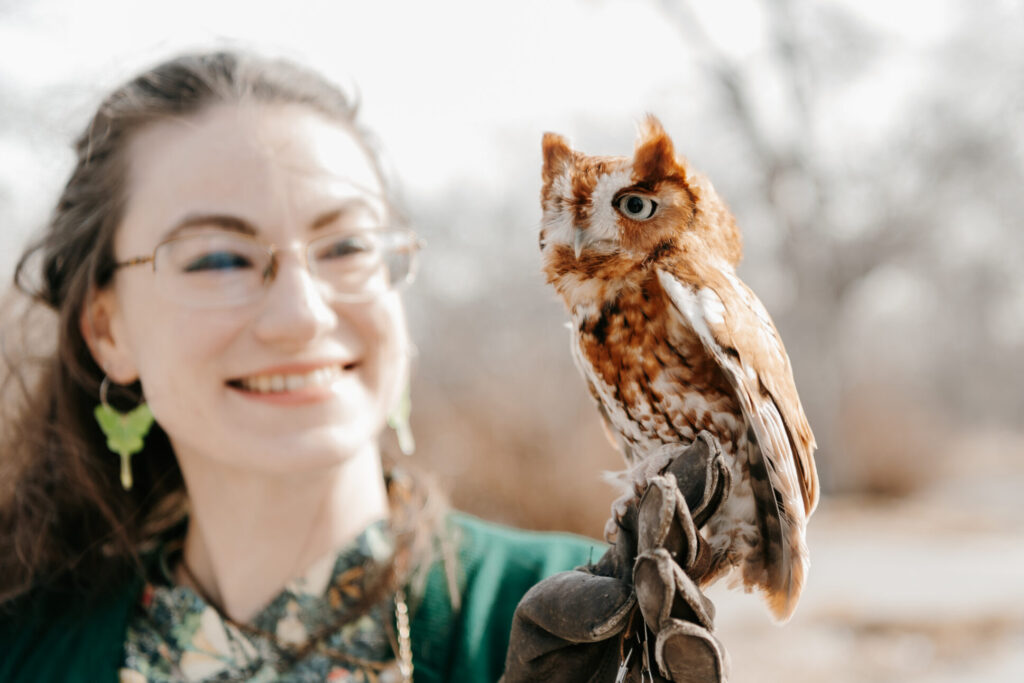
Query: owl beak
x=577 y=242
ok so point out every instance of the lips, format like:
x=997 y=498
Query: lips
x=285 y=380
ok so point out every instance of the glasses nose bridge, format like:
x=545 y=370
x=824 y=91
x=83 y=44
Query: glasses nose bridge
x=301 y=251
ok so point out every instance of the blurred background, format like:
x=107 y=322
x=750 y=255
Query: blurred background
x=873 y=152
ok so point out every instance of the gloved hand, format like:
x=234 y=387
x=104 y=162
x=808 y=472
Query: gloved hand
x=637 y=614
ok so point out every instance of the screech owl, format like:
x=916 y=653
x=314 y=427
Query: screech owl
x=671 y=342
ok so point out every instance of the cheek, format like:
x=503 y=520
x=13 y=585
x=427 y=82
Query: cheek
x=181 y=355
x=389 y=340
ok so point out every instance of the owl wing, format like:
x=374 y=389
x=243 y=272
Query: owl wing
x=737 y=331
x=608 y=425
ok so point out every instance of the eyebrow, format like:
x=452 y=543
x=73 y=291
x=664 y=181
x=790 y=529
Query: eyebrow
x=240 y=225
x=219 y=220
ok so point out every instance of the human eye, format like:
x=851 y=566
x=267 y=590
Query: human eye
x=211 y=252
x=344 y=247
x=217 y=260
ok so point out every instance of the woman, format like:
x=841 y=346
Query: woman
x=226 y=258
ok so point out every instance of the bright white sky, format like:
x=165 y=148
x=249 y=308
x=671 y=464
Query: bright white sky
x=443 y=82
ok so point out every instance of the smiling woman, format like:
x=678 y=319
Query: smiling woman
x=226 y=260
x=232 y=181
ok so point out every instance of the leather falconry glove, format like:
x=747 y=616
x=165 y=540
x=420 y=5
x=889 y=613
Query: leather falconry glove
x=637 y=614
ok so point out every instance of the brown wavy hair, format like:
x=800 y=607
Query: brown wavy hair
x=66 y=524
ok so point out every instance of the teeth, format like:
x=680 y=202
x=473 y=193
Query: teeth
x=266 y=384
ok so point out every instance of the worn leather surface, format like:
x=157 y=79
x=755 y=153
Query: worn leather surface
x=638 y=612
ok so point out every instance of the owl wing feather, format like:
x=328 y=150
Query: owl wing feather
x=606 y=421
x=736 y=330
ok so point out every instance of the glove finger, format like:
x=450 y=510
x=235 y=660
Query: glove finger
x=578 y=607
x=584 y=663
x=688 y=653
x=664 y=591
x=702 y=477
x=663 y=520
x=718 y=487
x=696 y=560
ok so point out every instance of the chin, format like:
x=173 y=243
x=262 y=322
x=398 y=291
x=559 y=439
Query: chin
x=310 y=449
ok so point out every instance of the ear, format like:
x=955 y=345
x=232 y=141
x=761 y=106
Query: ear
x=102 y=330
x=557 y=156
x=654 y=157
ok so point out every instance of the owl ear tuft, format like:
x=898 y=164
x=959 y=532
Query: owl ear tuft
x=654 y=157
x=557 y=155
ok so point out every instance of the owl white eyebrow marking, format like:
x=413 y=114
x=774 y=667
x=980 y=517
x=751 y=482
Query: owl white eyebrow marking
x=603 y=220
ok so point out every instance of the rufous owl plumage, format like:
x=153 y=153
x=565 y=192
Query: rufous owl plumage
x=671 y=342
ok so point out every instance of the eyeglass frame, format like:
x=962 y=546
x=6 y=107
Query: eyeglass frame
x=417 y=243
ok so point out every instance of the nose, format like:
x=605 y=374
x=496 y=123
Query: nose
x=294 y=312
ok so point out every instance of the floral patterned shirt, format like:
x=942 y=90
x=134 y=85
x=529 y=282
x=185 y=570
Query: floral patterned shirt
x=174 y=635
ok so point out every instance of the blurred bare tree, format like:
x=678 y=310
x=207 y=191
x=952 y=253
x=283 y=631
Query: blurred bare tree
x=888 y=257
x=873 y=239
x=887 y=249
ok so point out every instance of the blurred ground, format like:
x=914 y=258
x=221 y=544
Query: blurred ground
x=927 y=588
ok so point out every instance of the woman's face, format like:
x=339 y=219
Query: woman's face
x=286 y=174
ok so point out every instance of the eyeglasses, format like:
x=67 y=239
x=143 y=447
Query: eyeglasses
x=217 y=268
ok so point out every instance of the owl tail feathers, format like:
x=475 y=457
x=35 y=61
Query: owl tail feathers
x=779 y=573
x=783 y=600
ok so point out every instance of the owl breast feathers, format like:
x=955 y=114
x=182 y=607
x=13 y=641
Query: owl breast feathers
x=671 y=342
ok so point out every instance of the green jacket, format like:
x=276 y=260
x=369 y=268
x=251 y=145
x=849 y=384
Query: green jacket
x=496 y=566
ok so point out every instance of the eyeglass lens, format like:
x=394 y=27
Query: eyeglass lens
x=215 y=268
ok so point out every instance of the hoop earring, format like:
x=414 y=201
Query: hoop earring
x=398 y=420
x=125 y=432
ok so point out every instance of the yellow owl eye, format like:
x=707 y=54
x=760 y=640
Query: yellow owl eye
x=635 y=206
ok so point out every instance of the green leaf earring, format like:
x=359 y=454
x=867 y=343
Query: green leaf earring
x=398 y=420
x=125 y=432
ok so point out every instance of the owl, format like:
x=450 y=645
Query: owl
x=671 y=342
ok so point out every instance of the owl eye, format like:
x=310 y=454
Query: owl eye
x=635 y=206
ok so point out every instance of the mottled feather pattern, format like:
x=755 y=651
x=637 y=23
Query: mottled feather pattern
x=671 y=342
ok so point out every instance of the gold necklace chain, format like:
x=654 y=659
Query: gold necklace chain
x=402 y=650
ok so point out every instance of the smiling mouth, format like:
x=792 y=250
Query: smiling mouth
x=281 y=383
